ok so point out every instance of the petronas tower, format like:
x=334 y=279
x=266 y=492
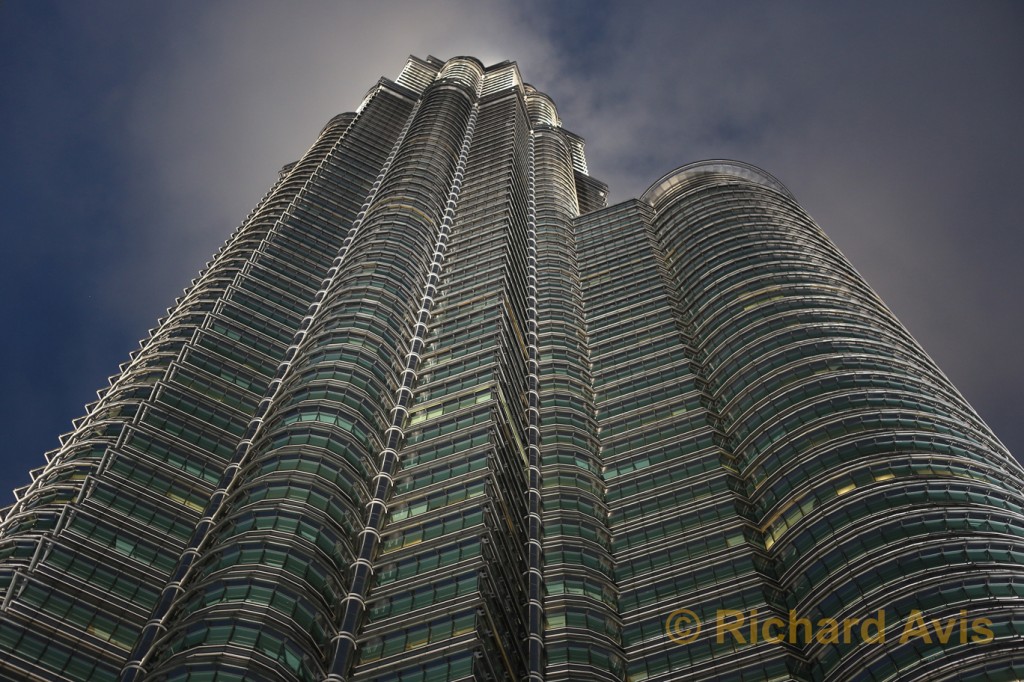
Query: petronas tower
x=435 y=412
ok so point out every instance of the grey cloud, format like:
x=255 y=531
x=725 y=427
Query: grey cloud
x=217 y=114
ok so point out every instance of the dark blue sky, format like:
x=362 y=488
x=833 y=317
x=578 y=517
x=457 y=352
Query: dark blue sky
x=137 y=135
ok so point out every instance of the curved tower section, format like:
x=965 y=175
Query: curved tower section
x=415 y=208
x=364 y=319
x=873 y=485
x=447 y=596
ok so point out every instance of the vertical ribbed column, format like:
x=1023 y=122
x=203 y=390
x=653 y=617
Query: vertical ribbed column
x=535 y=504
x=580 y=602
x=420 y=195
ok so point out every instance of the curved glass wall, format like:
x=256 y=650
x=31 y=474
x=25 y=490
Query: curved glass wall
x=872 y=484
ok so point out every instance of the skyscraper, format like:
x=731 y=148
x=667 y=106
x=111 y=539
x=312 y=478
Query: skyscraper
x=434 y=412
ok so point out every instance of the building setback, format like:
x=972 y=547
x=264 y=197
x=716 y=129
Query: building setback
x=435 y=412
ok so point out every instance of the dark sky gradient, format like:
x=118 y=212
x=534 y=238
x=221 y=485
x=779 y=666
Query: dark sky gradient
x=137 y=135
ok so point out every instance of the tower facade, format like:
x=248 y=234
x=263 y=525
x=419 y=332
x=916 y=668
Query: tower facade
x=435 y=412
